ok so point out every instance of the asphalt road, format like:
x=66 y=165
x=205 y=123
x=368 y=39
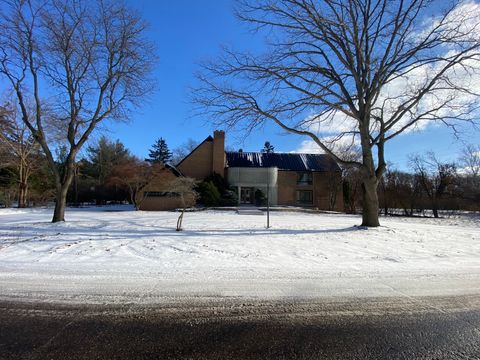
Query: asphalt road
x=391 y=328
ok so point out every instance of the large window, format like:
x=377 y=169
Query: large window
x=305 y=197
x=304 y=178
x=160 y=194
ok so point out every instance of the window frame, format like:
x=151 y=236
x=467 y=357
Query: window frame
x=304 y=202
x=309 y=178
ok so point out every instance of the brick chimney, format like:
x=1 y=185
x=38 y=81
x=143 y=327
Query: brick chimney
x=218 y=164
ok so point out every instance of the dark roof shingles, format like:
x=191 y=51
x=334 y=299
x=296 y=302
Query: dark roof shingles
x=283 y=161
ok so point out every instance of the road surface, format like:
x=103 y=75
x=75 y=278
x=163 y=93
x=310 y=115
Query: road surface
x=222 y=328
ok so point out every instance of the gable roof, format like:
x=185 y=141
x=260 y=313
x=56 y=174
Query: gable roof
x=208 y=139
x=173 y=169
x=283 y=161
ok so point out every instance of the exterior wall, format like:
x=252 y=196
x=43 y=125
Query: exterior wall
x=219 y=157
x=160 y=204
x=207 y=158
x=255 y=178
x=287 y=183
x=320 y=187
x=161 y=184
x=199 y=163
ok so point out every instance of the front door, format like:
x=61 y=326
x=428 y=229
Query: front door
x=246 y=195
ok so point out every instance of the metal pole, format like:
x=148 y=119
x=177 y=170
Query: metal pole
x=268 y=201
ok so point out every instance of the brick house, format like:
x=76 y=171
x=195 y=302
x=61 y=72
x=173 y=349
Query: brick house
x=291 y=179
x=307 y=180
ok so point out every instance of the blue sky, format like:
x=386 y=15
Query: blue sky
x=189 y=31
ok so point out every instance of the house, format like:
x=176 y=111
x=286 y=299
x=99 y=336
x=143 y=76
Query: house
x=290 y=179
x=309 y=180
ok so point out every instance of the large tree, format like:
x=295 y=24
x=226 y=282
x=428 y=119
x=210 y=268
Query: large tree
x=159 y=153
x=103 y=156
x=94 y=171
x=82 y=62
x=19 y=149
x=350 y=72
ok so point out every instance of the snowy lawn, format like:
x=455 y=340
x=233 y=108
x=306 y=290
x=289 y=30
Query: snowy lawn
x=113 y=255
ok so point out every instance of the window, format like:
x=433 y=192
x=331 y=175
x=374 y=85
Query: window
x=160 y=194
x=304 y=178
x=305 y=197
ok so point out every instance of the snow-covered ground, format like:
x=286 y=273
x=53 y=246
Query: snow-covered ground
x=114 y=254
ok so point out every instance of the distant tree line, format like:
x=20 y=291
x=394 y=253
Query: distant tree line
x=427 y=188
x=107 y=172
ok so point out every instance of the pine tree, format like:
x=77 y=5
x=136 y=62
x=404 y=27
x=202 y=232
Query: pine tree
x=268 y=148
x=105 y=154
x=159 y=153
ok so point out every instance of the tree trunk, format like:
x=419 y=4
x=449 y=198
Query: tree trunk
x=134 y=198
x=22 y=185
x=75 y=186
x=61 y=197
x=435 y=209
x=22 y=195
x=179 y=221
x=370 y=174
x=60 y=204
x=370 y=203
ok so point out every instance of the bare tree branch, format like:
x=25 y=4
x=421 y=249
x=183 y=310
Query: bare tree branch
x=82 y=62
x=349 y=69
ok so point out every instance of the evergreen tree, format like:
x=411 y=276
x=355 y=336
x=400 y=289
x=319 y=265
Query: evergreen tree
x=268 y=148
x=159 y=153
x=92 y=173
x=103 y=156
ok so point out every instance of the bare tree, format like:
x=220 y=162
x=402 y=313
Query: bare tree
x=435 y=177
x=21 y=149
x=386 y=185
x=82 y=62
x=334 y=186
x=469 y=175
x=350 y=72
x=351 y=189
x=185 y=188
x=470 y=160
x=400 y=190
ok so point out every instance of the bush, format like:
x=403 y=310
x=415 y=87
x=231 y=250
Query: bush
x=229 y=198
x=214 y=191
x=209 y=194
x=260 y=198
x=219 y=182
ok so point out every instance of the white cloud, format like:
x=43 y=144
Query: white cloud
x=464 y=21
x=337 y=145
x=309 y=147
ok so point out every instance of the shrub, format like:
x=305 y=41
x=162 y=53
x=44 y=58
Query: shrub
x=209 y=194
x=260 y=198
x=229 y=198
